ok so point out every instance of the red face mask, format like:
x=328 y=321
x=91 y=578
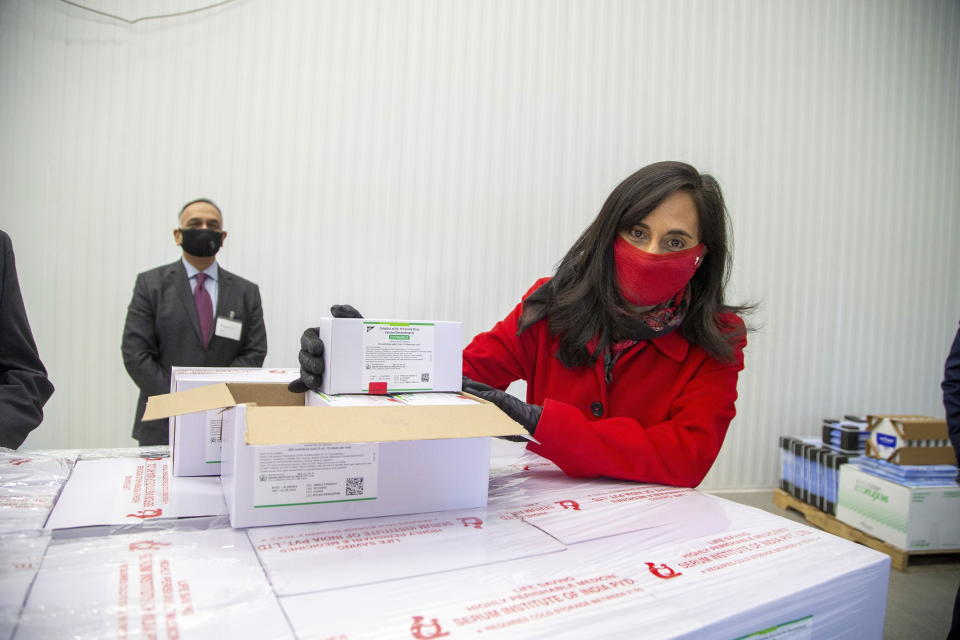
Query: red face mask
x=646 y=279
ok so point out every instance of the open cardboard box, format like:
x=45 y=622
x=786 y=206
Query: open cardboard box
x=909 y=439
x=286 y=463
x=195 y=437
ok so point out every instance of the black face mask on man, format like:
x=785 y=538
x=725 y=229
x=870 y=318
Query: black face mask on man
x=202 y=243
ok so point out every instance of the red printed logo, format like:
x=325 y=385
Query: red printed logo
x=422 y=631
x=143 y=514
x=476 y=523
x=147 y=545
x=663 y=571
x=570 y=504
x=19 y=461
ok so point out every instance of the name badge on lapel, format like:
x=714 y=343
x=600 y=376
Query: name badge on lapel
x=228 y=328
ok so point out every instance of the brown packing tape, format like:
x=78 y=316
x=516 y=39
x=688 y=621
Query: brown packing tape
x=308 y=425
x=214 y=396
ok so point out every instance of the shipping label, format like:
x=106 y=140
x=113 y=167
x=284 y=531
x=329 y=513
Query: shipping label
x=399 y=354
x=316 y=474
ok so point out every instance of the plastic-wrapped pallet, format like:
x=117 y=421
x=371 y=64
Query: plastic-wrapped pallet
x=29 y=484
x=763 y=574
x=117 y=486
x=189 y=579
x=21 y=553
x=550 y=556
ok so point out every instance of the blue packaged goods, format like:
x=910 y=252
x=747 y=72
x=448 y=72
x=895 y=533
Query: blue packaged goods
x=810 y=472
x=910 y=475
x=848 y=435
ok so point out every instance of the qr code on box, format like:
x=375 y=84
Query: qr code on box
x=354 y=486
x=424 y=377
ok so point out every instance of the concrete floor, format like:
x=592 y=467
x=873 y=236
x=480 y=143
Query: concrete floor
x=919 y=601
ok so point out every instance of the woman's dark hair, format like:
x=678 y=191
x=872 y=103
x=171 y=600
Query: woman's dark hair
x=582 y=301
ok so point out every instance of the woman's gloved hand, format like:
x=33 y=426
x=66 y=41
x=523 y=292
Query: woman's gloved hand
x=527 y=415
x=311 y=353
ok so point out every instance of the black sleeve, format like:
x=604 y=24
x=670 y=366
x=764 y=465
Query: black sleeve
x=24 y=387
x=140 y=347
x=951 y=394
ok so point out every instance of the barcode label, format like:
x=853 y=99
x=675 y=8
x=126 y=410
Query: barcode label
x=354 y=486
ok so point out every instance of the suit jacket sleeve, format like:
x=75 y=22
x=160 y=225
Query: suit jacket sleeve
x=24 y=387
x=140 y=347
x=254 y=348
x=951 y=395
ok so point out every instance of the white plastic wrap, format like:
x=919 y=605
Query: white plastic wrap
x=164 y=580
x=774 y=575
x=553 y=557
x=21 y=553
x=29 y=484
x=313 y=557
x=577 y=510
x=108 y=490
x=641 y=562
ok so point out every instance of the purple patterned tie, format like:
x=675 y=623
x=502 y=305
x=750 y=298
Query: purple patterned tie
x=201 y=298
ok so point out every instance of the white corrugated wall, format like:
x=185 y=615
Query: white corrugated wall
x=431 y=158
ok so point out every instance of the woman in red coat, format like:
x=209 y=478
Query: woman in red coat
x=629 y=352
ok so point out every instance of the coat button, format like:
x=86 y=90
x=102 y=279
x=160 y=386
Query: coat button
x=597 y=409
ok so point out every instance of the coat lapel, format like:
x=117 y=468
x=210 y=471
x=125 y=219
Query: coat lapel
x=179 y=276
x=223 y=294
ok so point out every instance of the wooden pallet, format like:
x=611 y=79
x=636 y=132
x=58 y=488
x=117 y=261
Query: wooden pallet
x=900 y=559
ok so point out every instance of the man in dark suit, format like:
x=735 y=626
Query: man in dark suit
x=190 y=313
x=24 y=387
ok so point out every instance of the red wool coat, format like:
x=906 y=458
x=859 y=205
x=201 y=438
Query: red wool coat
x=661 y=420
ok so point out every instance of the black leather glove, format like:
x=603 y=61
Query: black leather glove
x=311 y=353
x=527 y=415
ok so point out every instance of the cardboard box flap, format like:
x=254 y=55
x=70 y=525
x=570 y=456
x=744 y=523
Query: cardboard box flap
x=220 y=396
x=214 y=396
x=911 y=427
x=264 y=394
x=308 y=425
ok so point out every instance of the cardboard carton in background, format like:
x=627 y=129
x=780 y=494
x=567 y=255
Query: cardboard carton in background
x=380 y=356
x=909 y=439
x=286 y=463
x=913 y=518
x=195 y=437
